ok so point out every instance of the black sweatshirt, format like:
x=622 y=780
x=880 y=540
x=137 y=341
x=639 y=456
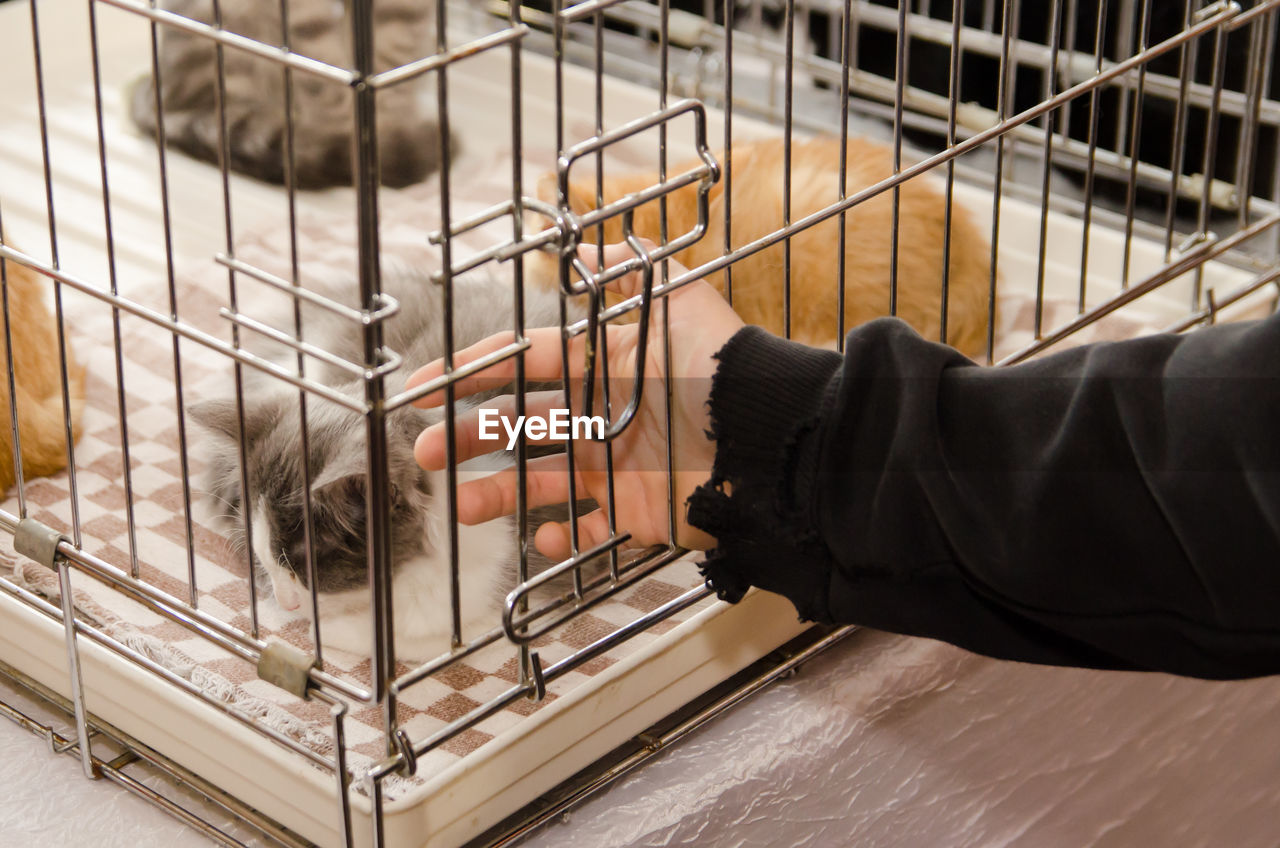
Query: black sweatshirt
x=1111 y=506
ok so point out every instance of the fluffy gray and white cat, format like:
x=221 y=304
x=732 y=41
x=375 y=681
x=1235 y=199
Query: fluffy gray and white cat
x=337 y=464
x=408 y=137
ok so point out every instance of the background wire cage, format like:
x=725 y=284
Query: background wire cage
x=1107 y=151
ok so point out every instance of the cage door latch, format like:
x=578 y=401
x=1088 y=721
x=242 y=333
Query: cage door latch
x=287 y=667
x=38 y=541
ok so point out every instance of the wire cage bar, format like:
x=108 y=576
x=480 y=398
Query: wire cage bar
x=253 y=325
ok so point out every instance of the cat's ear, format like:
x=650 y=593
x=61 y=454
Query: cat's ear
x=341 y=498
x=547 y=188
x=347 y=485
x=222 y=418
x=582 y=197
x=346 y=474
x=349 y=463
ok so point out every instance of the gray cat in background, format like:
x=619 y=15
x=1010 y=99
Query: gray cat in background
x=408 y=135
x=337 y=462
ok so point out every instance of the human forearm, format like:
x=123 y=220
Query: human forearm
x=1111 y=506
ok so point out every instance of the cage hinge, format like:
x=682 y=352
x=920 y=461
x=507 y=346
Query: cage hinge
x=287 y=667
x=38 y=542
x=409 y=759
x=539 y=681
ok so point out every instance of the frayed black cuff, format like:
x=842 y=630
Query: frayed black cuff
x=766 y=404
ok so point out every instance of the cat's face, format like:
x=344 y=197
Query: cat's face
x=275 y=502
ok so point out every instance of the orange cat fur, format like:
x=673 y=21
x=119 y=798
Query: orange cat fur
x=757 y=211
x=36 y=375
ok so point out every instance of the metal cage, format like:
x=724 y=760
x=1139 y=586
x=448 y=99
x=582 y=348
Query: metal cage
x=1133 y=141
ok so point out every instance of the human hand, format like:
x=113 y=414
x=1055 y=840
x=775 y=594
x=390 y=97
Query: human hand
x=700 y=323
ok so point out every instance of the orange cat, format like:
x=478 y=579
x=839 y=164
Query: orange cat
x=36 y=375
x=757 y=211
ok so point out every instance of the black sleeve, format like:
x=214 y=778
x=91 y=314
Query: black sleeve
x=1112 y=506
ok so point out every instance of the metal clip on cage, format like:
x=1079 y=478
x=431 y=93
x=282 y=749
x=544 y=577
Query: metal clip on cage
x=592 y=283
x=40 y=542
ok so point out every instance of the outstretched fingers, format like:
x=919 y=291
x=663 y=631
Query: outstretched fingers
x=547 y=482
x=543 y=363
x=494 y=496
x=554 y=540
x=487 y=428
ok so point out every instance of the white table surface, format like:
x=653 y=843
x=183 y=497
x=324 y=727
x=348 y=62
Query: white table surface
x=884 y=741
